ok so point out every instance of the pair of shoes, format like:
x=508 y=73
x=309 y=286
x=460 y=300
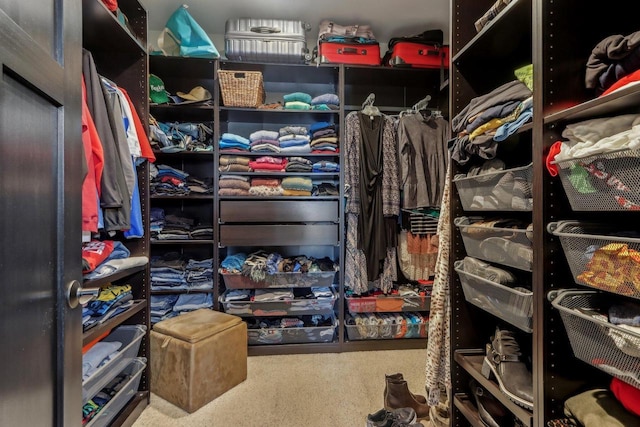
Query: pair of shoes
x=397 y=395
x=492 y=413
x=396 y=417
x=503 y=362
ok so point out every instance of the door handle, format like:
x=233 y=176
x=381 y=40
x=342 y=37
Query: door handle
x=76 y=294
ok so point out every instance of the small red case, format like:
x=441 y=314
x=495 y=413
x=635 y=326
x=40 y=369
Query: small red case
x=350 y=53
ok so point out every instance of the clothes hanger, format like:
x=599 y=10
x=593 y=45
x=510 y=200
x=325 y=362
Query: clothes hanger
x=418 y=106
x=368 y=108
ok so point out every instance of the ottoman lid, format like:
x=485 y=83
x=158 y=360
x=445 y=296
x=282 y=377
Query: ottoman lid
x=196 y=325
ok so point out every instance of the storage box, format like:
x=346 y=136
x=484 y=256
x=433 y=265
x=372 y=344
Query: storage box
x=603 y=182
x=506 y=190
x=506 y=246
x=350 y=53
x=241 y=88
x=197 y=356
x=512 y=305
x=601 y=256
x=614 y=349
x=388 y=304
x=130 y=336
x=280 y=280
x=293 y=335
x=117 y=402
x=295 y=307
x=386 y=326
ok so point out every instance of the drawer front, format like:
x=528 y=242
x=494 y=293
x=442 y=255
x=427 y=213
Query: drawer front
x=279 y=211
x=279 y=235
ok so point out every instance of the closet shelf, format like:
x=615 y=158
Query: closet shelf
x=291 y=154
x=464 y=403
x=277 y=111
x=508 y=23
x=96 y=283
x=159 y=153
x=174 y=108
x=379 y=345
x=619 y=100
x=182 y=242
x=181 y=291
x=198 y=197
x=309 y=174
x=105 y=27
x=307 y=348
x=97 y=331
x=280 y=198
x=471 y=361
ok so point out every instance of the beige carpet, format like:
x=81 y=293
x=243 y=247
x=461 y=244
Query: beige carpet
x=312 y=390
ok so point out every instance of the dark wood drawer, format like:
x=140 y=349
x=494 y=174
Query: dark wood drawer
x=279 y=234
x=279 y=211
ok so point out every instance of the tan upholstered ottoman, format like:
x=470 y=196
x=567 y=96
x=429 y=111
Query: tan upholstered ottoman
x=197 y=356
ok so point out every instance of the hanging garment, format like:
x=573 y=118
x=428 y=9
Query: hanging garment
x=356 y=271
x=437 y=368
x=422 y=144
x=113 y=193
x=94 y=163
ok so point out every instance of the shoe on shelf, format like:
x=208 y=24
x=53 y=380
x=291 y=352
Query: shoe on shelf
x=503 y=362
x=399 y=377
x=396 y=417
x=398 y=396
x=491 y=412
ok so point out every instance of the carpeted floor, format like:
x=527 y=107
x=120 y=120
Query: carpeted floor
x=311 y=390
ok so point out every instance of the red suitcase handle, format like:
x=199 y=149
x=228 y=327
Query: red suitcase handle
x=351 y=51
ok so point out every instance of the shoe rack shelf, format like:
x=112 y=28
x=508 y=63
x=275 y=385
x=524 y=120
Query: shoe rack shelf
x=471 y=361
x=463 y=402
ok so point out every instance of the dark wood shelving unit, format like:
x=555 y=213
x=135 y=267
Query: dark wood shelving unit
x=120 y=54
x=540 y=33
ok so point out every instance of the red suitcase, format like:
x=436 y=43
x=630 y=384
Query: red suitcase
x=350 y=53
x=418 y=55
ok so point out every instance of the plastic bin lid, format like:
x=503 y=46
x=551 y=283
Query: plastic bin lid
x=196 y=325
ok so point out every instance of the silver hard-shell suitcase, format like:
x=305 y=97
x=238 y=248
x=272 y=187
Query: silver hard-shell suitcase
x=266 y=40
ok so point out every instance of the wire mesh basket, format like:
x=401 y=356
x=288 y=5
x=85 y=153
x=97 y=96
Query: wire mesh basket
x=605 y=182
x=506 y=190
x=506 y=246
x=600 y=256
x=610 y=348
x=509 y=304
x=241 y=88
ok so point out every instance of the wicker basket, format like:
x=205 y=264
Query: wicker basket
x=241 y=88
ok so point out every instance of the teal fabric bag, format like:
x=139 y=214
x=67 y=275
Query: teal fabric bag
x=183 y=36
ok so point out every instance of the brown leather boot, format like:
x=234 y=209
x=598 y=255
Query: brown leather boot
x=399 y=396
x=399 y=377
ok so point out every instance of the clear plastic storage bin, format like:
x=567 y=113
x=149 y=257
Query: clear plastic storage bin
x=119 y=401
x=280 y=280
x=506 y=246
x=293 y=307
x=387 y=304
x=604 y=182
x=292 y=335
x=506 y=190
x=594 y=340
x=600 y=256
x=130 y=336
x=512 y=305
x=386 y=326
